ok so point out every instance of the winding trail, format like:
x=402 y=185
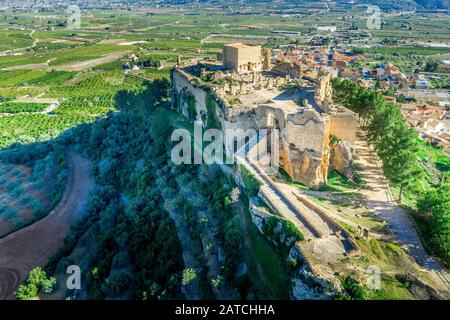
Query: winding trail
x=32 y=246
x=12 y=51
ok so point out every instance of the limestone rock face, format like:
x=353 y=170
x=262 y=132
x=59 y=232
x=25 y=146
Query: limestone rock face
x=258 y=214
x=341 y=158
x=307 y=168
x=304 y=130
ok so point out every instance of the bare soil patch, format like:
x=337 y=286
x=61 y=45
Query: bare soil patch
x=32 y=246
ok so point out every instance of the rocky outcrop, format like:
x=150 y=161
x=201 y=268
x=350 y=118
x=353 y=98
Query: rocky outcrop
x=307 y=284
x=259 y=213
x=271 y=226
x=341 y=158
x=304 y=130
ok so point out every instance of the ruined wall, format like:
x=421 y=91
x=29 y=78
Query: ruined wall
x=306 y=137
x=304 y=151
x=285 y=68
x=344 y=125
x=303 y=145
x=181 y=85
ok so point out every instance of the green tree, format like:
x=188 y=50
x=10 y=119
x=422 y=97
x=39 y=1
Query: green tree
x=378 y=84
x=36 y=281
x=189 y=275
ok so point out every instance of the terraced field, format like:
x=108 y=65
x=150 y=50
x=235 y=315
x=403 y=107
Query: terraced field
x=85 y=96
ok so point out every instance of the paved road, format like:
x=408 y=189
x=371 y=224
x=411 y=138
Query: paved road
x=32 y=246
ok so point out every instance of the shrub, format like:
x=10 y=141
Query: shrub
x=251 y=183
x=189 y=275
x=354 y=290
x=36 y=281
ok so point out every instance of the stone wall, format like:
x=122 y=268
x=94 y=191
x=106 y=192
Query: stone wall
x=306 y=137
x=284 y=68
x=343 y=124
x=304 y=150
x=242 y=58
x=181 y=84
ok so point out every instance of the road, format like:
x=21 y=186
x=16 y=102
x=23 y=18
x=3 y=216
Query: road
x=34 y=245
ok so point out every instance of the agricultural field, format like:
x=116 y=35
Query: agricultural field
x=13 y=39
x=96 y=99
x=20 y=107
x=84 y=100
x=440 y=83
x=29 y=192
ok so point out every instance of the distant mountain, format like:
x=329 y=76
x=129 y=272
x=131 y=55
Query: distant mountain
x=407 y=4
x=384 y=4
x=434 y=4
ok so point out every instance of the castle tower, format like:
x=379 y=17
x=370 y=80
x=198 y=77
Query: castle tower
x=242 y=58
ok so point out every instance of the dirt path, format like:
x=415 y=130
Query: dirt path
x=35 y=41
x=380 y=200
x=32 y=246
x=83 y=65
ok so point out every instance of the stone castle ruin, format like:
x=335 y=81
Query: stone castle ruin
x=243 y=90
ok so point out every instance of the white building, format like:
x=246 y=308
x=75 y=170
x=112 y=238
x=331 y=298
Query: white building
x=423 y=84
x=326 y=29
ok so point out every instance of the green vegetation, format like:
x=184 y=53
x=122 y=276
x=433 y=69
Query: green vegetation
x=282 y=232
x=251 y=183
x=338 y=183
x=405 y=161
x=440 y=83
x=13 y=39
x=17 y=107
x=36 y=281
x=394 y=265
x=135 y=251
x=402 y=50
x=272 y=264
x=353 y=290
x=434 y=209
x=188 y=275
x=213 y=120
x=31 y=185
x=94 y=94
